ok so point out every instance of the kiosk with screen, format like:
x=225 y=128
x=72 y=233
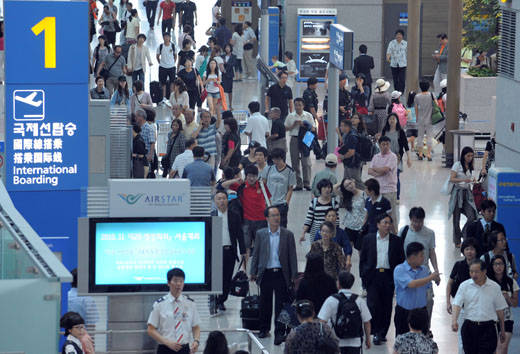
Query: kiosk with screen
x=314 y=42
x=133 y=255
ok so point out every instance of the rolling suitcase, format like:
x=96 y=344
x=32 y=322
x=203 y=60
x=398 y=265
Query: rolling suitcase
x=250 y=312
x=156 y=91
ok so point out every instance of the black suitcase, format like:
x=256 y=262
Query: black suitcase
x=156 y=91
x=250 y=312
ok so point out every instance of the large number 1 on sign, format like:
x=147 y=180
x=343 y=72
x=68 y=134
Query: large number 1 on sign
x=48 y=24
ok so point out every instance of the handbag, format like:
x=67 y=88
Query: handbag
x=437 y=115
x=203 y=95
x=240 y=283
x=106 y=72
x=117 y=26
x=447 y=186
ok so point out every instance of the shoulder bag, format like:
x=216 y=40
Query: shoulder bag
x=437 y=115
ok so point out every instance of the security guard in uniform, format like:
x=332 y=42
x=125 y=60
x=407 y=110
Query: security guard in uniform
x=174 y=318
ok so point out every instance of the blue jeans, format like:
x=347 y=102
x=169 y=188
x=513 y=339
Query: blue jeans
x=138 y=75
x=398 y=184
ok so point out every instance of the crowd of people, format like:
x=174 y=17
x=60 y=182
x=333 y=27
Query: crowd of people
x=376 y=129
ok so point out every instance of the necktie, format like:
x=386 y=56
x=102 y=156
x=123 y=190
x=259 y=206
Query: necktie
x=177 y=315
x=487 y=229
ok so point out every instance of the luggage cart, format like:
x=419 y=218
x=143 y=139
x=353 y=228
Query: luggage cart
x=241 y=116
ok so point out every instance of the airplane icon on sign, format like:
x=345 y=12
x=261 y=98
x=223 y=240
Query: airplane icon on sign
x=28 y=105
x=29 y=100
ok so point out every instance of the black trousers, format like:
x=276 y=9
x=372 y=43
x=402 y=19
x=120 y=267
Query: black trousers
x=284 y=210
x=350 y=350
x=479 y=337
x=228 y=260
x=272 y=280
x=399 y=76
x=167 y=25
x=380 y=293
x=151 y=10
x=162 y=349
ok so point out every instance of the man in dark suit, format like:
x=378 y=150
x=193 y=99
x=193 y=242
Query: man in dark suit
x=231 y=235
x=380 y=254
x=363 y=64
x=274 y=267
x=481 y=229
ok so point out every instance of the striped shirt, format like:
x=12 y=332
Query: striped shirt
x=207 y=139
x=316 y=214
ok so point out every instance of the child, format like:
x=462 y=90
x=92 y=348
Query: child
x=278 y=65
x=74 y=326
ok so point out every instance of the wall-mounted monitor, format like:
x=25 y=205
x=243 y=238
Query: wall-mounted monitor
x=133 y=255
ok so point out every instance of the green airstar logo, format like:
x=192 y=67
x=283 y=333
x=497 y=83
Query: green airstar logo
x=131 y=199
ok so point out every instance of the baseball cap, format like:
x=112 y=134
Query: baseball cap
x=396 y=95
x=331 y=160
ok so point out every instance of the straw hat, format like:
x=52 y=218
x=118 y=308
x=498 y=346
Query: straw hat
x=382 y=85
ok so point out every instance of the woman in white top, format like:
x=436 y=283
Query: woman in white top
x=211 y=80
x=132 y=27
x=179 y=95
x=215 y=12
x=461 y=197
x=237 y=41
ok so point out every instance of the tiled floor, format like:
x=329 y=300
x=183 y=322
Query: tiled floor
x=420 y=187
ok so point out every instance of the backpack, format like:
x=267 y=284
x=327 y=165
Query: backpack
x=404 y=233
x=400 y=110
x=365 y=148
x=348 y=322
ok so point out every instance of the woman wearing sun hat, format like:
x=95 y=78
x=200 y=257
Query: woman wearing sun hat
x=379 y=103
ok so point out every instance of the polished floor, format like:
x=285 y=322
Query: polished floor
x=420 y=187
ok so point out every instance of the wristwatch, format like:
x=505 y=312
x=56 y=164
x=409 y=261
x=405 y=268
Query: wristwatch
x=196 y=340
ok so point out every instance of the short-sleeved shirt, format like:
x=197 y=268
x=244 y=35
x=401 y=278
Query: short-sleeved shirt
x=381 y=206
x=397 y=53
x=280 y=97
x=164 y=319
x=278 y=182
x=388 y=181
x=188 y=9
x=167 y=59
x=480 y=302
x=277 y=127
x=424 y=104
x=457 y=167
x=84 y=305
x=413 y=343
x=326 y=173
x=168 y=9
x=293 y=117
x=406 y=297
x=424 y=236
x=350 y=141
x=199 y=173
x=459 y=273
x=148 y=134
x=238 y=47
x=329 y=311
x=258 y=126
x=116 y=70
x=310 y=97
x=253 y=201
x=207 y=139
x=182 y=161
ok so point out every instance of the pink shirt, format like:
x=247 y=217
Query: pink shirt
x=388 y=181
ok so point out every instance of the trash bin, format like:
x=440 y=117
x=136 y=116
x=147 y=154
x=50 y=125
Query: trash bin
x=462 y=138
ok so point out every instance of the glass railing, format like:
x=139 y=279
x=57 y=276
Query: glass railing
x=15 y=263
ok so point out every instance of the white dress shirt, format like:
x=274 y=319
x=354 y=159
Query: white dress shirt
x=274 y=243
x=293 y=117
x=258 y=126
x=481 y=303
x=329 y=310
x=382 y=251
x=164 y=320
x=226 y=239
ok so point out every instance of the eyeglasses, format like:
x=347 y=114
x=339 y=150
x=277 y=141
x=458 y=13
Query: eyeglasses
x=81 y=326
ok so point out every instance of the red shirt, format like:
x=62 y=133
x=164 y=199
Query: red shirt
x=253 y=201
x=168 y=9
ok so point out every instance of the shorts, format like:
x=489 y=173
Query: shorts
x=166 y=74
x=508 y=325
x=214 y=95
x=412 y=132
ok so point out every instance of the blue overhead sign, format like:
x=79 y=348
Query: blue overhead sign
x=47 y=137
x=46 y=95
x=341 y=47
x=46 y=42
